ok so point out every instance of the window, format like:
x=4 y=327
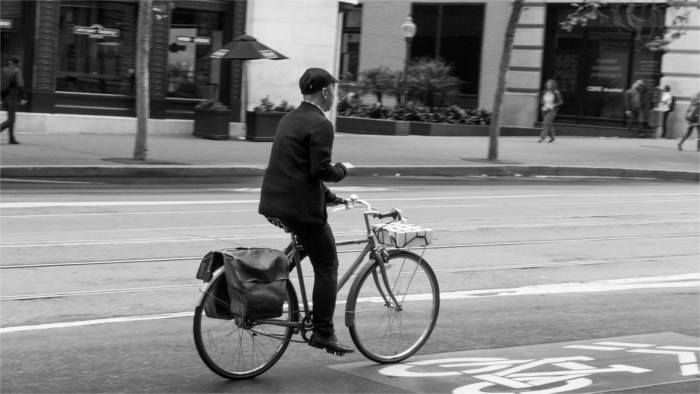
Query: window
x=594 y=65
x=454 y=33
x=350 y=46
x=191 y=73
x=11 y=31
x=97 y=47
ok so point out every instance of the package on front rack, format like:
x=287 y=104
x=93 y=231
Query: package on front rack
x=402 y=235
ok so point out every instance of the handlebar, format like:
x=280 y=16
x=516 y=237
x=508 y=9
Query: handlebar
x=394 y=213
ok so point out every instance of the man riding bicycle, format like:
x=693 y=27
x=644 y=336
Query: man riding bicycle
x=293 y=194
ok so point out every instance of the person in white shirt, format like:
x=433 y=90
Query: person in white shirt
x=666 y=105
x=551 y=100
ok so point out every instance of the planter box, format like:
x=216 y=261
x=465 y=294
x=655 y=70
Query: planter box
x=349 y=124
x=211 y=124
x=449 y=130
x=261 y=126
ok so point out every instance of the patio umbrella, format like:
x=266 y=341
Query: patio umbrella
x=245 y=47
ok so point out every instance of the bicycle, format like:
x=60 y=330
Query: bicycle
x=391 y=309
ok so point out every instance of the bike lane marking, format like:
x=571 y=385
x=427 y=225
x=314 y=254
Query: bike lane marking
x=571 y=367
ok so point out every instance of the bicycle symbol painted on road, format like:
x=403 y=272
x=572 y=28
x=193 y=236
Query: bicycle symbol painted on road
x=496 y=374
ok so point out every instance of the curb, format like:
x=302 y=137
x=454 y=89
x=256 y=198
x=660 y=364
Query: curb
x=243 y=171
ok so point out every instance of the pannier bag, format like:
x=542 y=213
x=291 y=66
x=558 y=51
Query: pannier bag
x=402 y=235
x=255 y=281
x=218 y=304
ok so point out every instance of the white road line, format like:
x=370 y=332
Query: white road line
x=42 y=181
x=47 y=204
x=93 y=322
x=10 y=205
x=624 y=344
x=591 y=347
x=671 y=281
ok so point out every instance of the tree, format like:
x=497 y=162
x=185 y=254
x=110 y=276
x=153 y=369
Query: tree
x=377 y=81
x=428 y=77
x=143 y=51
x=647 y=20
x=495 y=126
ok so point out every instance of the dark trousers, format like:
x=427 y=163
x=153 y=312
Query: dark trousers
x=319 y=244
x=688 y=133
x=10 y=105
x=636 y=120
x=663 y=124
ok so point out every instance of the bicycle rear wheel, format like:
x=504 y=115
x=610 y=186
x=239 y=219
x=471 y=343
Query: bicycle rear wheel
x=384 y=332
x=235 y=348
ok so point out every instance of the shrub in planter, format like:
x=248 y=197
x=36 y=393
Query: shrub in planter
x=261 y=123
x=211 y=119
x=417 y=113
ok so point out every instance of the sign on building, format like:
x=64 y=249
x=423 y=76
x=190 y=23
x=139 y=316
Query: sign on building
x=96 y=31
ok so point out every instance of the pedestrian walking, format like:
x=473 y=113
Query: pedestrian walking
x=12 y=95
x=666 y=105
x=293 y=194
x=692 y=115
x=634 y=107
x=551 y=100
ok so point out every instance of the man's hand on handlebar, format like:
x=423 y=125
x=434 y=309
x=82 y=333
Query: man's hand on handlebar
x=340 y=200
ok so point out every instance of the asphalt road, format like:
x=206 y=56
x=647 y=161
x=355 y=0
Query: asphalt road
x=594 y=282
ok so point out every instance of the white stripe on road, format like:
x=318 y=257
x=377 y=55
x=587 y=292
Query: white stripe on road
x=93 y=322
x=46 y=204
x=43 y=181
x=115 y=203
x=671 y=281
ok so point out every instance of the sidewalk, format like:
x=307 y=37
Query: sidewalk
x=184 y=155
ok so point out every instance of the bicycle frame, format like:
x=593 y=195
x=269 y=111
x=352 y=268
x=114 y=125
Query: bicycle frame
x=372 y=245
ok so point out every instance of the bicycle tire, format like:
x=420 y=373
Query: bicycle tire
x=236 y=349
x=386 y=333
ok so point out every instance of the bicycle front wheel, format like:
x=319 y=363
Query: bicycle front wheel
x=236 y=348
x=386 y=332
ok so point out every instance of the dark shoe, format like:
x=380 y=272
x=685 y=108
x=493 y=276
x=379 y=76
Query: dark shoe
x=680 y=146
x=540 y=140
x=552 y=140
x=330 y=343
x=14 y=142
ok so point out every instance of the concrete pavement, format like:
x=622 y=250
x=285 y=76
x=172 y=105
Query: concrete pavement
x=99 y=154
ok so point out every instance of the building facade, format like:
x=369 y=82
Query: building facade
x=79 y=57
x=593 y=64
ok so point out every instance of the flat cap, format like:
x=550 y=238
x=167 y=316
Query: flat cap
x=315 y=79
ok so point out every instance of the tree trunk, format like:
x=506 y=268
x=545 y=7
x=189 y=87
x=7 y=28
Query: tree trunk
x=495 y=127
x=143 y=50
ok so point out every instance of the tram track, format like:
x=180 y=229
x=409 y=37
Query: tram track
x=355 y=251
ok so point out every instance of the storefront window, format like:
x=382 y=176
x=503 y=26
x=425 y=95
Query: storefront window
x=453 y=33
x=10 y=31
x=191 y=73
x=97 y=47
x=595 y=64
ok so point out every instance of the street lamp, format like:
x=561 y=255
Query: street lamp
x=409 y=30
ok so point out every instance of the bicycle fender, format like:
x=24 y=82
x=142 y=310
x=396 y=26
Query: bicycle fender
x=350 y=305
x=205 y=287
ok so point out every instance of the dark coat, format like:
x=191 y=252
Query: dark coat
x=12 y=83
x=300 y=161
